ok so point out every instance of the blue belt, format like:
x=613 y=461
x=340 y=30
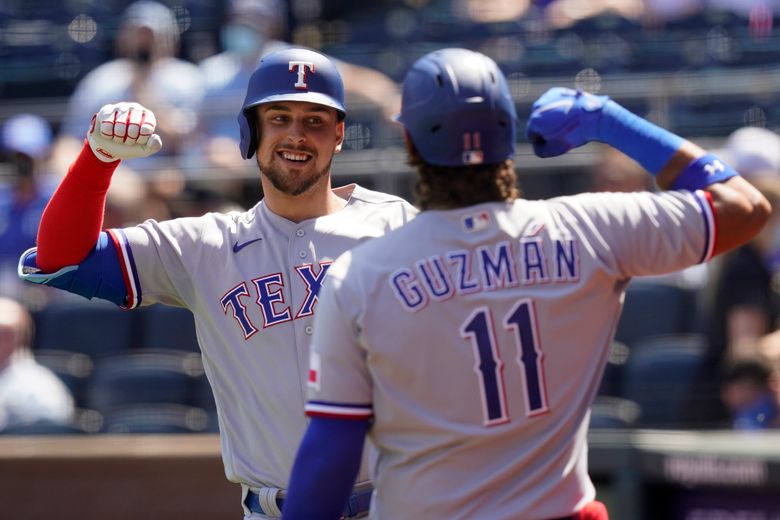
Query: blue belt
x=358 y=503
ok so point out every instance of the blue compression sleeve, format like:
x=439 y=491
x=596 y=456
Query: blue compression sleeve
x=646 y=143
x=99 y=275
x=325 y=469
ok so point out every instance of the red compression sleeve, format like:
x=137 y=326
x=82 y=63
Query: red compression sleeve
x=71 y=223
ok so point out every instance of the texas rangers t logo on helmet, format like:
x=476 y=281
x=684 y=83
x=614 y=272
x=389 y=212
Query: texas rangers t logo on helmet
x=301 y=70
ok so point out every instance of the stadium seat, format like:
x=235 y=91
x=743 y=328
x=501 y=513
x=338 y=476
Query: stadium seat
x=203 y=397
x=43 y=428
x=613 y=412
x=659 y=376
x=143 y=377
x=652 y=308
x=156 y=418
x=73 y=368
x=166 y=327
x=613 y=373
x=94 y=328
x=712 y=115
x=83 y=421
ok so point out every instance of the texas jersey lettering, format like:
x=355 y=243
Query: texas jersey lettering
x=268 y=292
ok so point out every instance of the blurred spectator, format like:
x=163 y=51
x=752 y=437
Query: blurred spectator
x=147 y=71
x=29 y=392
x=25 y=140
x=615 y=171
x=492 y=11
x=746 y=8
x=753 y=150
x=745 y=294
x=747 y=298
x=252 y=29
x=564 y=13
x=757 y=16
x=129 y=201
x=749 y=395
x=658 y=12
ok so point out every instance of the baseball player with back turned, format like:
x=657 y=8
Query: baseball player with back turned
x=251 y=279
x=469 y=343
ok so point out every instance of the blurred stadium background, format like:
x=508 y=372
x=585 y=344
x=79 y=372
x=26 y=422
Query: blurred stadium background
x=703 y=72
x=702 y=75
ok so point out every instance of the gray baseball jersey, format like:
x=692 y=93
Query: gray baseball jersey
x=252 y=281
x=476 y=339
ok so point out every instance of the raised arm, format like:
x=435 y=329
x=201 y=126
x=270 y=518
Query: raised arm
x=71 y=223
x=563 y=119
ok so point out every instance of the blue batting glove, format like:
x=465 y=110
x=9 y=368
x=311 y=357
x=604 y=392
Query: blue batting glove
x=562 y=119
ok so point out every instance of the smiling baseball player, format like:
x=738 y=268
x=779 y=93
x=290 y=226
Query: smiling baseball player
x=469 y=344
x=251 y=279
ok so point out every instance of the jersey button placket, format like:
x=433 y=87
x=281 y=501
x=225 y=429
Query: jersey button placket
x=300 y=232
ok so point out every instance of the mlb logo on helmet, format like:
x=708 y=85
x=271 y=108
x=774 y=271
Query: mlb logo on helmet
x=300 y=67
x=473 y=157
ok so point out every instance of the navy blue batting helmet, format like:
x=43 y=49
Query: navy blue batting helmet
x=457 y=109
x=292 y=74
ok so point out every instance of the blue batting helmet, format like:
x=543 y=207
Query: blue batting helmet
x=292 y=74
x=457 y=109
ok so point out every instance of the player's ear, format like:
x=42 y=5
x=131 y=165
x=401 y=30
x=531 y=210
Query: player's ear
x=339 y=135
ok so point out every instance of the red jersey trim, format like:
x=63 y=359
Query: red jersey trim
x=127 y=265
x=338 y=411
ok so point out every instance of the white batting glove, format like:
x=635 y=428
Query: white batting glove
x=123 y=131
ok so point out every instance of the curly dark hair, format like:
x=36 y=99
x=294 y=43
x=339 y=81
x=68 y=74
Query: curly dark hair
x=449 y=187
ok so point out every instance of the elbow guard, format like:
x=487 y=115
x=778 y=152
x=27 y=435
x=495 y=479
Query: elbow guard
x=99 y=275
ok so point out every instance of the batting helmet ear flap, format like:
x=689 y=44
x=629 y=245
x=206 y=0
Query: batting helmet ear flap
x=248 y=143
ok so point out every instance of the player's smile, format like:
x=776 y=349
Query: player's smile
x=295 y=156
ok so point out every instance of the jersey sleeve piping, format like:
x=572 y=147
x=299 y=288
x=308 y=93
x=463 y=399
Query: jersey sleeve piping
x=129 y=270
x=704 y=199
x=338 y=410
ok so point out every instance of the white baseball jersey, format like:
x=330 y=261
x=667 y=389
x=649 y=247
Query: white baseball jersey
x=252 y=281
x=477 y=337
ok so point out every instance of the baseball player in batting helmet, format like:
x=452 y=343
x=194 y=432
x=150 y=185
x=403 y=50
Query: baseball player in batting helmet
x=469 y=344
x=252 y=279
x=316 y=81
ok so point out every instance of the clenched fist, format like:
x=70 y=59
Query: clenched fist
x=563 y=119
x=123 y=131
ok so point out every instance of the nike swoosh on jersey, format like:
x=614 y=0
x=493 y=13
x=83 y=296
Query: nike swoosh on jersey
x=239 y=246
